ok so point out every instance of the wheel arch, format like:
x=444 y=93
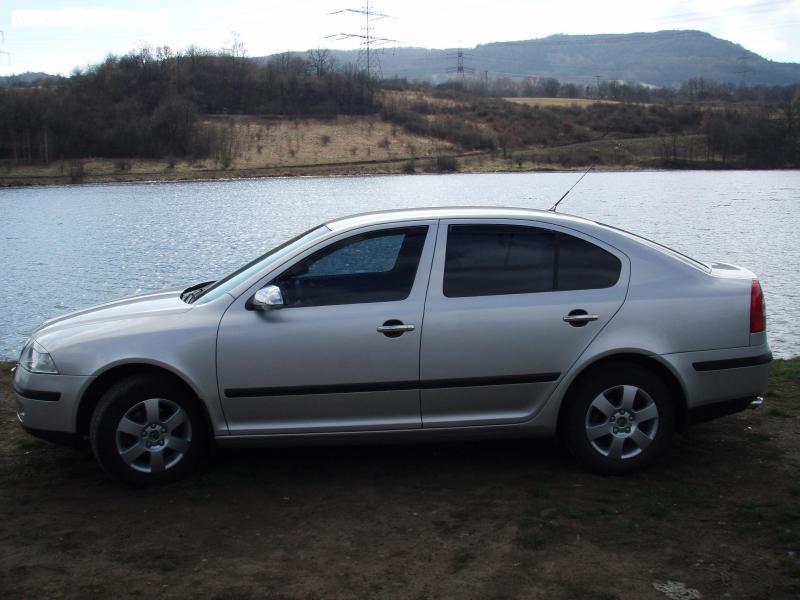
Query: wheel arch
x=103 y=381
x=646 y=361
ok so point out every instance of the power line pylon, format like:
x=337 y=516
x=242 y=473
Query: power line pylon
x=367 y=56
x=460 y=70
x=743 y=68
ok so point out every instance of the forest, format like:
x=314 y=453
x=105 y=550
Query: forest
x=150 y=103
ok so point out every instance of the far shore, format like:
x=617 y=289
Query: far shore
x=367 y=145
x=102 y=171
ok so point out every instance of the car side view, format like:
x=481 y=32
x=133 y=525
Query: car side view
x=423 y=324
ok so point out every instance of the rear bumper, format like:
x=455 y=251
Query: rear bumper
x=708 y=412
x=729 y=378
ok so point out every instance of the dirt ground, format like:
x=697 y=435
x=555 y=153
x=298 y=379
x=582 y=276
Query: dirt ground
x=718 y=517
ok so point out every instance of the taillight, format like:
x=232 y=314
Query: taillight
x=758 y=311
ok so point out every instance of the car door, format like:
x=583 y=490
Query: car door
x=343 y=354
x=495 y=341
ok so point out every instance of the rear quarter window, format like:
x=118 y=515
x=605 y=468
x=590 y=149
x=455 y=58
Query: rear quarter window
x=582 y=265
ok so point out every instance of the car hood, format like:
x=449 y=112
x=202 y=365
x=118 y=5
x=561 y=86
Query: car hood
x=157 y=303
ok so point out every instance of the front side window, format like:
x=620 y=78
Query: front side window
x=487 y=260
x=231 y=281
x=376 y=254
x=377 y=266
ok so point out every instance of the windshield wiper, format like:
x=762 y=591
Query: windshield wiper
x=191 y=294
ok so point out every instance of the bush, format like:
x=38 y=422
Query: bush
x=446 y=164
x=77 y=171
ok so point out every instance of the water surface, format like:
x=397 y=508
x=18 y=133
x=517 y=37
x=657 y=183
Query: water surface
x=68 y=247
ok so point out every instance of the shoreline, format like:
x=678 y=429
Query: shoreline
x=330 y=170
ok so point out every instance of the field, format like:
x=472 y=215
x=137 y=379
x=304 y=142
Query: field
x=257 y=147
x=718 y=517
x=560 y=101
x=367 y=159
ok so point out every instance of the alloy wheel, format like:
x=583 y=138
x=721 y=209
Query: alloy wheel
x=153 y=435
x=622 y=422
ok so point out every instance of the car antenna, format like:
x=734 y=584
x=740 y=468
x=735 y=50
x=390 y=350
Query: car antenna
x=553 y=208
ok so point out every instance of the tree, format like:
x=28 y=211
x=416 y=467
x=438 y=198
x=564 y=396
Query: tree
x=322 y=61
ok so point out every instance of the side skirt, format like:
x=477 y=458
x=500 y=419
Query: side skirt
x=521 y=430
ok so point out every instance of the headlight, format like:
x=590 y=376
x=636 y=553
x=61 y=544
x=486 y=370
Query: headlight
x=35 y=359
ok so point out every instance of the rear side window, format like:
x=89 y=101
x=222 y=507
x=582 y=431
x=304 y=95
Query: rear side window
x=377 y=266
x=487 y=260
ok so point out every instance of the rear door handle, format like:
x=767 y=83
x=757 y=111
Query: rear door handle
x=579 y=318
x=394 y=328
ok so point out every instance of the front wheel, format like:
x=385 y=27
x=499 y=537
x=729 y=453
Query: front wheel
x=146 y=429
x=619 y=420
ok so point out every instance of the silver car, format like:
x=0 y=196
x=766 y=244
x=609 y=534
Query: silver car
x=424 y=324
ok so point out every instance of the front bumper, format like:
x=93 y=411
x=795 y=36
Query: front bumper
x=48 y=403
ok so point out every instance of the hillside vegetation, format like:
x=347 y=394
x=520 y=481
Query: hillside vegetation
x=156 y=115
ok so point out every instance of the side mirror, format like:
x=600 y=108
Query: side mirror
x=266 y=298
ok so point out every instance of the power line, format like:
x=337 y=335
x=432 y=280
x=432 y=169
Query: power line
x=367 y=56
x=3 y=41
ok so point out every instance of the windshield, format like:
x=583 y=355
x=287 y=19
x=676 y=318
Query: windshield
x=229 y=282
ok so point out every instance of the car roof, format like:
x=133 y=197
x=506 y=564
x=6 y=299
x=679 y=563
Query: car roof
x=453 y=212
x=607 y=233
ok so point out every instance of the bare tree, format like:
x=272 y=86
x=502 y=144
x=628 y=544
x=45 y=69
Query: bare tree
x=322 y=61
x=237 y=48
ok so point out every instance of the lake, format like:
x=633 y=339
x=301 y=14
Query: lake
x=69 y=247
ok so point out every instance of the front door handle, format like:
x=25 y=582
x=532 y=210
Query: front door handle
x=579 y=318
x=394 y=328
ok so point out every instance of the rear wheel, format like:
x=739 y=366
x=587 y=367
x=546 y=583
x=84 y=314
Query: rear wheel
x=619 y=419
x=146 y=429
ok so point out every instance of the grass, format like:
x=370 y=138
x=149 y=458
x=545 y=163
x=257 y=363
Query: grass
x=261 y=147
x=784 y=377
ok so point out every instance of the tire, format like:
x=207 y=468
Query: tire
x=643 y=422
x=147 y=430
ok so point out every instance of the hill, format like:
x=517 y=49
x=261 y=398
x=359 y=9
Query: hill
x=29 y=78
x=663 y=58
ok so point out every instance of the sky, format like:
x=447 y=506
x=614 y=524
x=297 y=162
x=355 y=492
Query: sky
x=56 y=37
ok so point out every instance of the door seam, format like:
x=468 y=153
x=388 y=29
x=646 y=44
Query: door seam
x=422 y=323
